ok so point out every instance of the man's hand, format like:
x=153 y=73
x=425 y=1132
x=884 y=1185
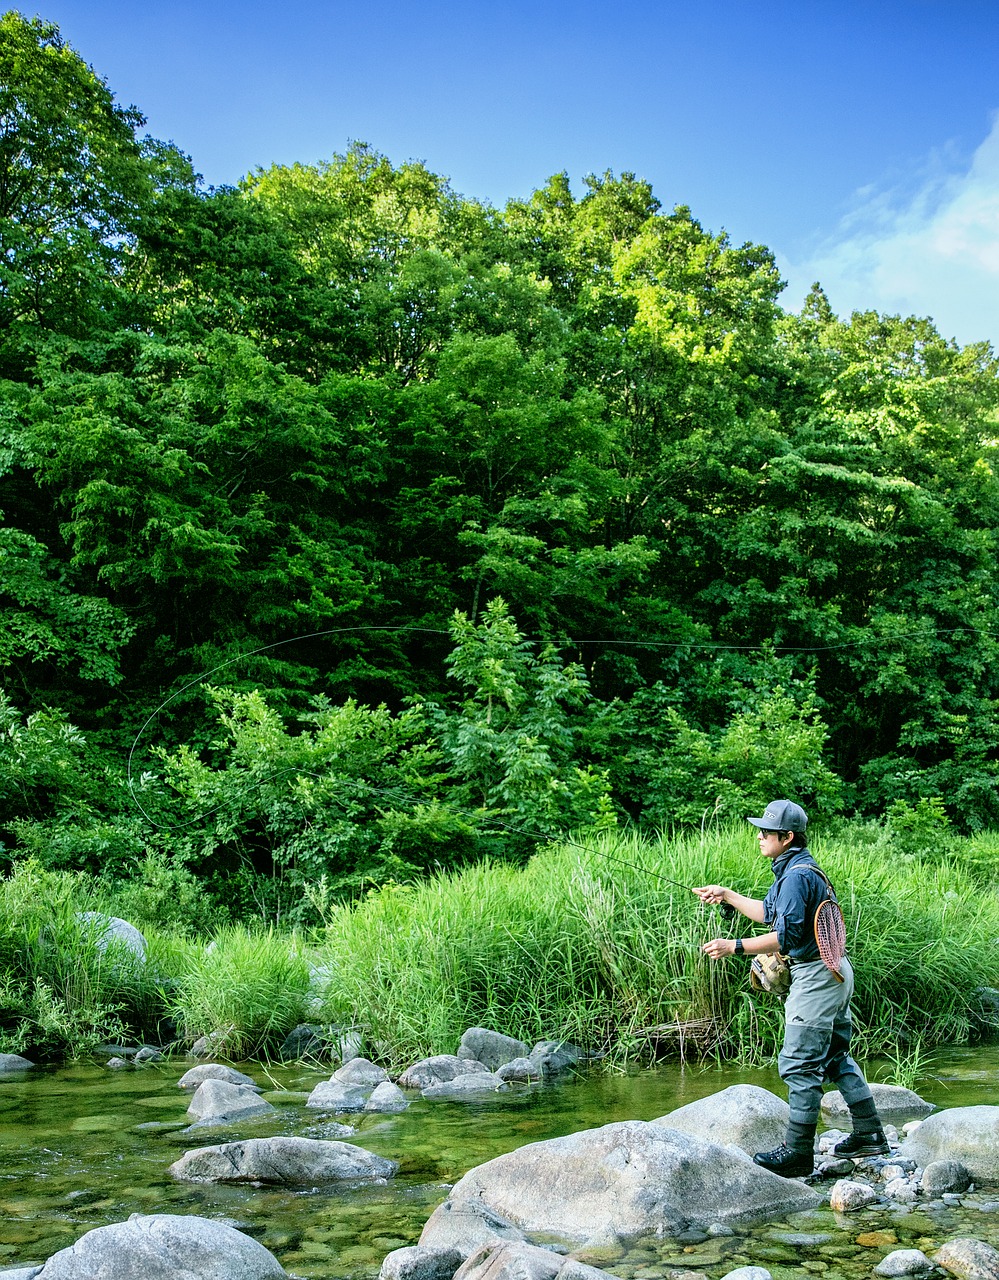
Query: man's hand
x=719 y=947
x=711 y=894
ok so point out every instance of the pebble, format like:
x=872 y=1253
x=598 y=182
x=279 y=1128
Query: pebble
x=847 y=1196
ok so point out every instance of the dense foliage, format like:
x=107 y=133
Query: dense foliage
x=406 y=529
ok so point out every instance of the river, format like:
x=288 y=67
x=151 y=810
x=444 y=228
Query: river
x=81 y=1146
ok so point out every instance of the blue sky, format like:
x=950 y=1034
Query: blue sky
x=858 y=140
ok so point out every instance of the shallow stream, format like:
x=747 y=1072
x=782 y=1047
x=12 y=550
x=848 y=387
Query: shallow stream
x=82 y=1146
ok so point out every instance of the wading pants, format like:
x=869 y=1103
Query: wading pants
x=817 y=1027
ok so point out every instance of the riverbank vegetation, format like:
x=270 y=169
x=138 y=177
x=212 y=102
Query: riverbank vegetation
x=595 y=940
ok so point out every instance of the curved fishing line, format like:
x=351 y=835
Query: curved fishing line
x=438 y=631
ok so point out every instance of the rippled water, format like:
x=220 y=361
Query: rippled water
x=82 y=1146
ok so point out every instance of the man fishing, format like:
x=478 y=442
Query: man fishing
x=817 y=1022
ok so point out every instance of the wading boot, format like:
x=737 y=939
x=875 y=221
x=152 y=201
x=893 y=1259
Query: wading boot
x=872 y=1143
x=786 y=1161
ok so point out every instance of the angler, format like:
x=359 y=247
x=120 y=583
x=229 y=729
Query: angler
x=806 y=928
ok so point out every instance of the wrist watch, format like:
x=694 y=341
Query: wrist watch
x=739 y=948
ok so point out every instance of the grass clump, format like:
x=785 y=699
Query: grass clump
x=64 y=989
x=246 y=990
x=599 y=942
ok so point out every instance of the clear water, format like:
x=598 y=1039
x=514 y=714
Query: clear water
x=82 y=1146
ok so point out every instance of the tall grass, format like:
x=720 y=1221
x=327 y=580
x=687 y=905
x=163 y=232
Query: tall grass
x=246 y=990
x=61 y=991
x=593 y=944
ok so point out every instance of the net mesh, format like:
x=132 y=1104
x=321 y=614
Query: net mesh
x=830 y=935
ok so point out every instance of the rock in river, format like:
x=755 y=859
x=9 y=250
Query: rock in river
x=969 y=1259
x=218 y=1102
x=632 y=1179
x=435 y=1070
x=163 y=1246
x=893 y=1103
x=744 y=1114
x=215 y=1071
x=967 y=1134
x=281 y=1161
x=490 y=1047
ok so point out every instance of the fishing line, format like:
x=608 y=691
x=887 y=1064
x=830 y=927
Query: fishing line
x=390 y=629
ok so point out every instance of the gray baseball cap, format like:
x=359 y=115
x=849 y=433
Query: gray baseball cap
x=781 y=815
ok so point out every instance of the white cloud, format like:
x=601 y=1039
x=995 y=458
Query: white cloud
x=934 y=252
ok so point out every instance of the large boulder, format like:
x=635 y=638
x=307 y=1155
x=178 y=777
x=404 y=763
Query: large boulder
x=743 y=1114
x=436 y=1070
x=967 y=1134
x=893 y=1103
x=555 y=1056
x=359 y=1071
x=215 y=1071
x=464 y=1226
x=164 y=1246
x=968 y=1259
x=387 y=1097
x=478 y=1084
x=631 y=1179
x=419 y=1262
x=282 y=1161
x=109 y=933
x=513 y=1261
x=490 y=1047
x=219 y=1102
x=13 y=1062
x=334 y=1095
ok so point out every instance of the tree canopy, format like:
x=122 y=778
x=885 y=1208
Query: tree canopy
x=324 y=437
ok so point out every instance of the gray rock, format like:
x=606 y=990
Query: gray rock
x=521 y=1070
x=901 y=1191
x=847 y=1196
x=148 y=1054
x=116 y=1064
x=631 y=1179
x=893 y=1103
x=281 y=1161
x=556 y=1056
x=490 y=1047
x=904 y=1262
x=968 y=1259
x=438 y=1069
x=573 y=1269
x=110 y=934
x=11 y=1062
x=514 y=1260
x=748 y=1273
x=215 y=1071
x=967 y=1134
x=464 y=1227
x=420 y=1262
x=945 y=1175
x=743 y=1114
x=164 y=1246
x=833 y=1167
x=349 y=1043
x=387 y=1097
x=475 y=1085
x=218 y=1102
x=21 y=1273
x=307 y=1040
x=331 y=1095
x=361 y=1072
x=210 y=1046
x=829 y=1138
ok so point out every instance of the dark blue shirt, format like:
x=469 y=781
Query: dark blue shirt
x=790 y=906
